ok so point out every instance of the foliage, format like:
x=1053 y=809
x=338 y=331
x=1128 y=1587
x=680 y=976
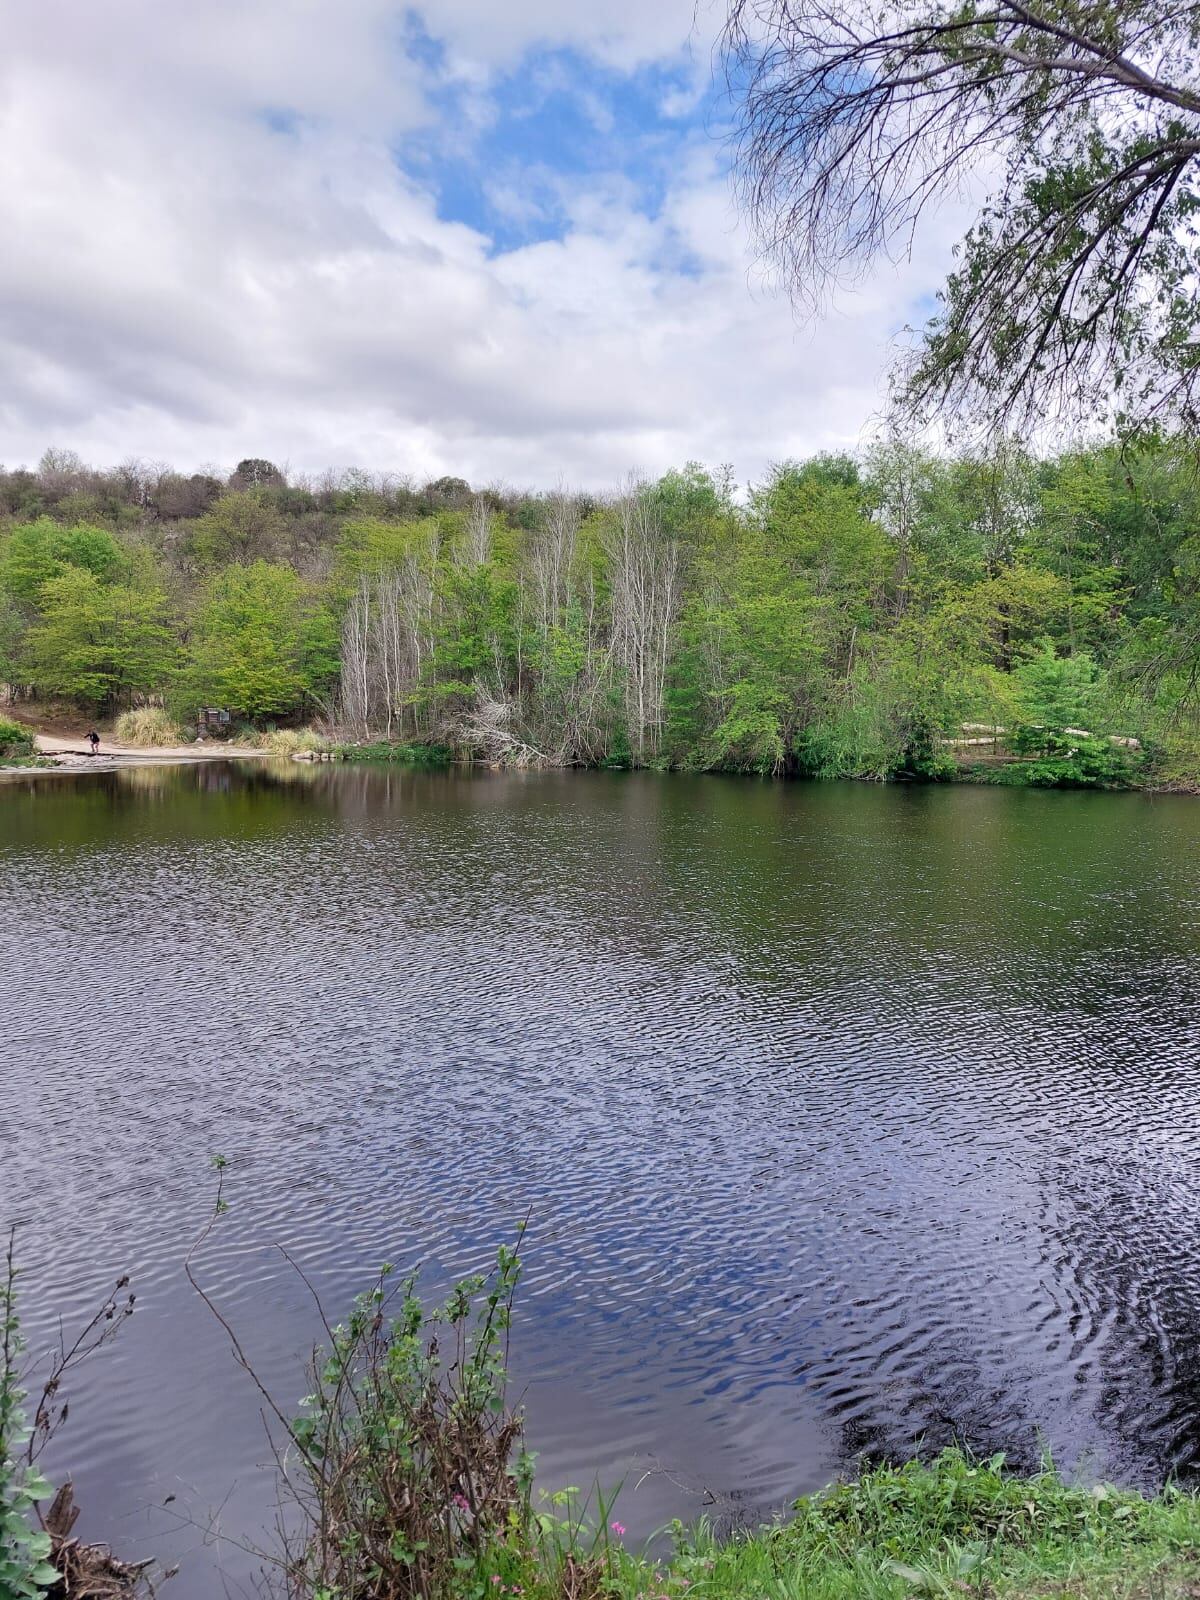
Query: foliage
x=98 y=643
x=1075 y=289
x=409 y=755
x=15 y=738
x=38 y=551
x=148 y=726
x=263 y=644
x=845 y=621
x=25 y=1570
x=1064 y=758
x=240 y=527
x=414 y=1479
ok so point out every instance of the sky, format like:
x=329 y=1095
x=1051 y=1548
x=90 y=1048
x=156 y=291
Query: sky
x=453 y=237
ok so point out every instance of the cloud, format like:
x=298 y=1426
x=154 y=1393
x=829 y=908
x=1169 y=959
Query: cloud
x=216 y=245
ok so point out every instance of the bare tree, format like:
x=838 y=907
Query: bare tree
x=644 y=571
x=387 y=641
x=477 y=531
x=552 y=556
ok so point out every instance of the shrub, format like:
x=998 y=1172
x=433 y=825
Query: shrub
x=287 y=741
x=409 y=755
x=1067 y=760
x=25 y=1570
x=15 y=738
x=148 y=726
x=414 y=1481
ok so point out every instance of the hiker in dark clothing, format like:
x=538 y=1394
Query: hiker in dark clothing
x=94 y=741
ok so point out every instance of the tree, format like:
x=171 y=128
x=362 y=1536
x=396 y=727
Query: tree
x=12 y=631
x=645 y=585
x=388 y=628
x=1075 y=291
x=98 y=643
x=38 y=551
x=239 y=527
x=263 y=645
x=255 y=473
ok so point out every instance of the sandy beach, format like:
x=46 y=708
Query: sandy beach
x=69 y=752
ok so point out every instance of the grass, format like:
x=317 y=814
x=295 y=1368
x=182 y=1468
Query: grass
x=15 y=739
x=291 y=741
x=147 y=727
x=951 y=1527
x=37 y=763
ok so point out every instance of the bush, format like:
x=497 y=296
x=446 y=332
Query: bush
x=409 y=755
x=148 y=726
x=15 y=738
x=414 y=1479
x=288 y=741
x=1066 y=760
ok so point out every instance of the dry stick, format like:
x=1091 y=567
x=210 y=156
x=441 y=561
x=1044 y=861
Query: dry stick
x=239 y=1353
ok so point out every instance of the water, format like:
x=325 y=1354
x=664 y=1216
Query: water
x=848 y=1117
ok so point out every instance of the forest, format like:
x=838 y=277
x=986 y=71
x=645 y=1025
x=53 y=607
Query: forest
x=899 y=614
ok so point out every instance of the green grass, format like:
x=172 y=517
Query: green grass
x=952 y=1527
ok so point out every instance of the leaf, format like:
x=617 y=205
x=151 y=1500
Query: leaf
x=912 y=1575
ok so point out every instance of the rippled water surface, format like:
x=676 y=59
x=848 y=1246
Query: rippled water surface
x=848 y=1117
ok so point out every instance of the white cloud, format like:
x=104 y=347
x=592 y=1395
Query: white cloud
x=180 y=280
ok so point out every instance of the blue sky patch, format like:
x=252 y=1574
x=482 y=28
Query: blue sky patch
x=508 y=159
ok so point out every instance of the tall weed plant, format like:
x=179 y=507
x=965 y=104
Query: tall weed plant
x=25 y=1570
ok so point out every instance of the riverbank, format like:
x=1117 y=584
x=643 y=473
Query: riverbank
x=953 y=1526
x=57 y=753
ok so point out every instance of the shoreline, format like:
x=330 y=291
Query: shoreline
x=54 y=753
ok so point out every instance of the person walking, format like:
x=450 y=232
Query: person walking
x=94 y=742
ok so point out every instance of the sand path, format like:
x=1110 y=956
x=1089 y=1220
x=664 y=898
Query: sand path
x=71 y=752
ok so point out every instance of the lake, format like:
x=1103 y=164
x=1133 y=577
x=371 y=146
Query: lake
x=847 y=1117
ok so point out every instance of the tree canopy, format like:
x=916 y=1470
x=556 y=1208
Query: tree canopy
x=1075 y=292
x=849 y=616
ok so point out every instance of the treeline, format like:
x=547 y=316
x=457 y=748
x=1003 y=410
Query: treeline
x=848 y=617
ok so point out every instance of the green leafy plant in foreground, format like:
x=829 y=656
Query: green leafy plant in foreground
x=410 y=1467
x=25 y=1570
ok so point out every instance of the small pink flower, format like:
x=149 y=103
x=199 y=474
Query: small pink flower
x=619 y=1529
x=495 y=1577
x=461 y=1501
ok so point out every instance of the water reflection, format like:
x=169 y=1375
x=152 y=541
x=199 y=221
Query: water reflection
x=848 y=1117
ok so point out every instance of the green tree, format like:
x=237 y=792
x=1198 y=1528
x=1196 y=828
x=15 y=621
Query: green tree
x=263 y=644
x=98 y=643
x=240 y=527
x=35 y=552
